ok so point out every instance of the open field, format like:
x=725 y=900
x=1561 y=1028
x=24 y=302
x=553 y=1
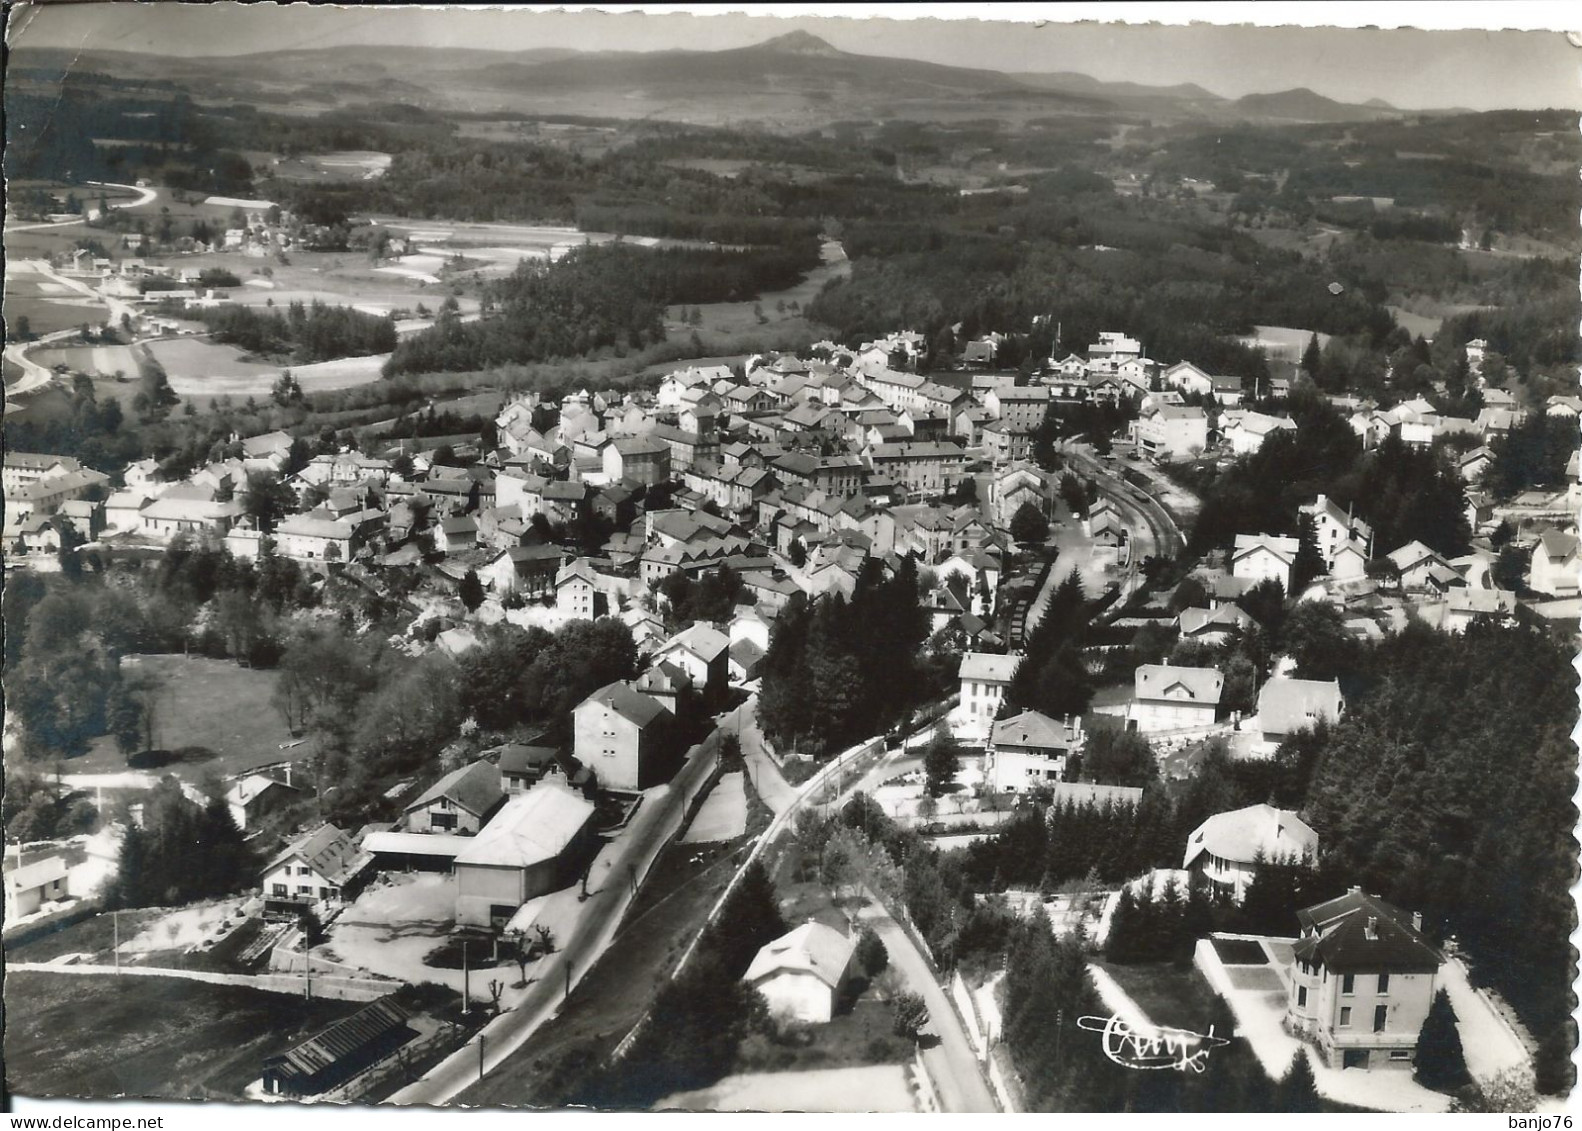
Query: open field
x=200 y=368
x=345 y=165
x=103 y=361
x=213 y=704
x=739 y=318
x=169 y=1038
x=47 y=305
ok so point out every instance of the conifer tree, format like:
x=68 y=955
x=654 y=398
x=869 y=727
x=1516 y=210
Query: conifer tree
x=1441 y=1062
x=1298 y=1092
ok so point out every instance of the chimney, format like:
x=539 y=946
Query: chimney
x=1417 y=921
x=1373 y=927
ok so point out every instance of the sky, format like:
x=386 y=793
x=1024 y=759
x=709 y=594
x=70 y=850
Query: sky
x=1464 y=65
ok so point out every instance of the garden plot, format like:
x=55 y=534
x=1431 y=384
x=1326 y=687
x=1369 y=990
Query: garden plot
x=723 y=815
x=185 y=929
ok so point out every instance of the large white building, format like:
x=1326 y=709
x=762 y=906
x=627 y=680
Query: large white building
x=1227 y=849
x=984 y=678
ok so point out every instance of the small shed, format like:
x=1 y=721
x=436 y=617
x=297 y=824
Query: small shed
x=340 y=1052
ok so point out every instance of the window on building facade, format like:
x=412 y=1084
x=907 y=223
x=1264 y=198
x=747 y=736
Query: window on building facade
x=1384 y=983
x=1345 y=1016
x=1348 y=983
x=1381 y=1014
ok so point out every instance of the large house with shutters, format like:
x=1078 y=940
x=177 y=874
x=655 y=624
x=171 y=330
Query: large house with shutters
x=1361 y=982
x=317 y=872
x=1168 y=697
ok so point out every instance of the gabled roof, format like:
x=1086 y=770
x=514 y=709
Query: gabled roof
x=1281 y=547
x=811 y=948
x=701 y=639
x=1288 y=705
x=475 y=788
x=629 y=703
x=248 y=789
x=517 y=758
x=1222 y=619
x=1362 y=933
x=327 y=850
x=1033 y=729
x=37 y=874
x=1243 y=834
x=530 y=828
x=342 y=1040
x=663 y=678
x=1202 y=685
x=578 y=569
x=1413 y=554
x=988 y=666
x=1557 y=545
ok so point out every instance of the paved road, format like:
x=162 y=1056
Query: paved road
x=580 y=950
x=767 y=780
x=951 y=1063
x=144 y=196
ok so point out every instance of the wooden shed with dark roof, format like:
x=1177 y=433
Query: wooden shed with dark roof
x=332 y=1057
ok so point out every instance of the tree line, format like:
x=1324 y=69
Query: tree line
x=838 y=670
x=304 y=334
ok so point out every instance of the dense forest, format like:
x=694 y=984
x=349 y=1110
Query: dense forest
x=1404 y=493
x=609 y=297
x=302 y=334
x=837 y=670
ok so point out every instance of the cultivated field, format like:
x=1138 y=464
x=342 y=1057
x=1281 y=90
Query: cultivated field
x=166 y=1038
x=47 y=305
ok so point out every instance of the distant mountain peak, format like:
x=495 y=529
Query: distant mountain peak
x=1379 y=104
x=799 y=43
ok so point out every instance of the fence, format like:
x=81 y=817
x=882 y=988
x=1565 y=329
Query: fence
x=927 y=1094
x=339 y=988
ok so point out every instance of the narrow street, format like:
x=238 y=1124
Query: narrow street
x=952 y=1064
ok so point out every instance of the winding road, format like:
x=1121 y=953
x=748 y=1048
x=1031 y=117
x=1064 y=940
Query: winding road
x=145 y=195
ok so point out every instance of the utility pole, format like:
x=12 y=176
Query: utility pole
x=480 y=1055
x=568 y=975
x=466 y=987
x=115 y=918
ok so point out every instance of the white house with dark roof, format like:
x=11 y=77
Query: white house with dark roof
x=1361 y=982
x=984 y=677
x=1227 y=849
x=1554 y=565
x=1169 y=697
x=254 y=796
x=1029 y=750
x=313 y=873
x=576 y=587
x=622 y=736
x=801 y=974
